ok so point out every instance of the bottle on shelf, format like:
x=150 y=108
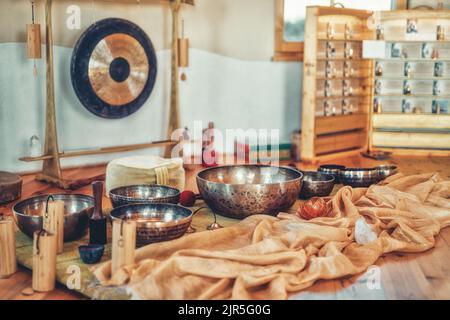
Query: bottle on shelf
x=408 y=70
x=348 y=32
x=380 y=32
x=407 y=90
x=330 y=31
x=377 y=107
x=440 y=33
x=378 y=69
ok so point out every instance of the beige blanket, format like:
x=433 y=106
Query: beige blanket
x=268 y=257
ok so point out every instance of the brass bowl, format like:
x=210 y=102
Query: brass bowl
x=77 y=209
x=144 y=193
x=385 y=171
x=156 y=222
x=359 y=177
x=316 y=184
x=242 y=190
x=333 y=169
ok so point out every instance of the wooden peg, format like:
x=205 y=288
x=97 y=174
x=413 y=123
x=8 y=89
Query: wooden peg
x=44 y=261
x=123 y=244
x=183 y=53
x=8 y=264
x=54 y=222
x=34 y=41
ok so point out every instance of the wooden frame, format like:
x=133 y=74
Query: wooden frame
x=323 y=137
x=423 y=134
x=51 y=169
x=284 y=50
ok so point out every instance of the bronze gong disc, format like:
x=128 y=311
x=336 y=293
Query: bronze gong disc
x=113 y=68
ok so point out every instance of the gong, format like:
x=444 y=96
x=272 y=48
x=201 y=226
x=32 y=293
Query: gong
x=113 y=68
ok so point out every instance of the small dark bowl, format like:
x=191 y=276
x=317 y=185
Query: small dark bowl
x=332 y=169
x=385 y=171
x=156 y=222
x=316 y=184
x=359 y=177
x=92 y=253
x=144 y=193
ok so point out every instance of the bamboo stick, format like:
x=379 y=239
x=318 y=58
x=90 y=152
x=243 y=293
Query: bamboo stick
x=8 y=263
x=123 y=244
x=44 y=261
x=54 y=222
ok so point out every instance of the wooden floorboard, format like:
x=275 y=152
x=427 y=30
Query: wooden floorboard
x=402 y=276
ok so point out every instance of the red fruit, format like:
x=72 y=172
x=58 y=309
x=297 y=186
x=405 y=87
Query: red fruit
x=187 y=198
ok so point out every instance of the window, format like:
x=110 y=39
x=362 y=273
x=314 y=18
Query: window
x=290 y=23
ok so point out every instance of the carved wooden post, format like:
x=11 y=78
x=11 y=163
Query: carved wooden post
x=51 y=167
x=174 y=112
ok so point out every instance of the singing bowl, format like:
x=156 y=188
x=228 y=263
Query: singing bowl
x=316 y=184
x=385 y=171
x=332 y=169
x=156 y=222
x=359 y=177
x=145 y=193
x=77 y=209
x=242 y=190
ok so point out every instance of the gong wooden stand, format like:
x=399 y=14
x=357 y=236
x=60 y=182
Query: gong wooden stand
x=51 y=169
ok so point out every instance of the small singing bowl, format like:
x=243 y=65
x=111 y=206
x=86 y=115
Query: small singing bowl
x=91 y=253
x=385 y=171
x=359 y=177
x=144 y=193
x=316 y=184
x=156 y=222
x=332 y=169
x=77 y=209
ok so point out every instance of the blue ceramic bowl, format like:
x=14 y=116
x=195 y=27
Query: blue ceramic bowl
x=92 y=253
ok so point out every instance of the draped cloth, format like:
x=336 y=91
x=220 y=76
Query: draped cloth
x=265 y=257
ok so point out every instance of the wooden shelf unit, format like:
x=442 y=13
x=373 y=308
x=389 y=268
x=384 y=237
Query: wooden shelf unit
x=325 y=137
x=422 y=133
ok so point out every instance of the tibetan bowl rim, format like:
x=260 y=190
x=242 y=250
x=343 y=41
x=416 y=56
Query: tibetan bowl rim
x=69 y=195
x=300 y=178
x=386 y=166
x=330 y=177
x=177 y=192
x=91 y=247
x=358 y=170
x=332 y=167
x=153 y=224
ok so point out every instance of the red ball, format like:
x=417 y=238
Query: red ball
x=187 y=198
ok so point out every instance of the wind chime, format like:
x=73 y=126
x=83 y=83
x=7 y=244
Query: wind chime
x=34 y=38
x=183 y=52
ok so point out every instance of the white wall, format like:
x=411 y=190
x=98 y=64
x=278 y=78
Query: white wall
x=231 y=92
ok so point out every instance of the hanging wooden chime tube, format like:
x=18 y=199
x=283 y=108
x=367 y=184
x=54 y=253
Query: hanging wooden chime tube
x=34 y=38
x=44 y=261
x=8 y=264
x=183 y=52
x=123 y=244
x=54 y=222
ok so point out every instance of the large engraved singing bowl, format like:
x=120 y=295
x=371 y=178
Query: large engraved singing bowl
x=243 y=190
x=156 y=222
x=77 y=209
x=144 y=193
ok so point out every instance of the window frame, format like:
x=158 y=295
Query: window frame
x=285 y=50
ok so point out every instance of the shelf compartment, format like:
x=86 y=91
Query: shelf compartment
x=413 y=140
x=325 y=144
x=327 y=125
x=411 y=121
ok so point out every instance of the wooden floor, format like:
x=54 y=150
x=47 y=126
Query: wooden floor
x=395 y=276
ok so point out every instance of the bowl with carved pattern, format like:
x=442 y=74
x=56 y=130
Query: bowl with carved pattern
x=239 y=191
x=155 y=222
